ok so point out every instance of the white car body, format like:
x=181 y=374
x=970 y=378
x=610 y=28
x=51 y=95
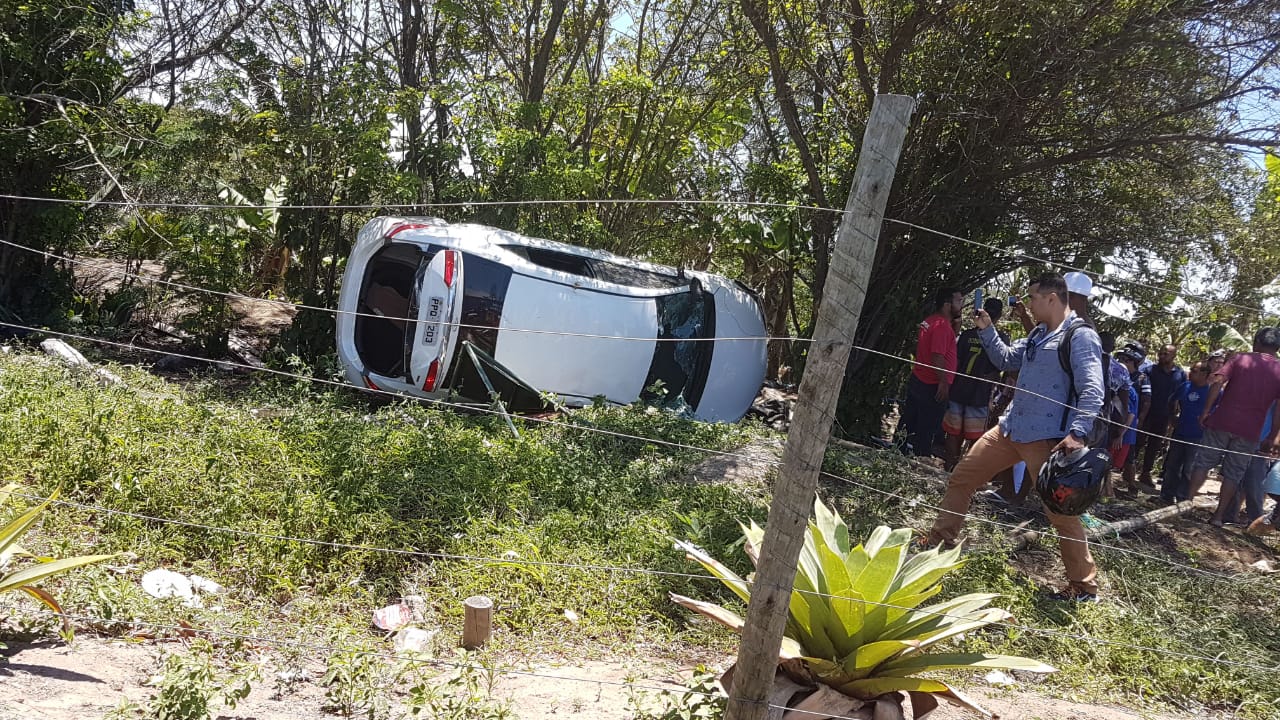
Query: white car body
x=421 y=299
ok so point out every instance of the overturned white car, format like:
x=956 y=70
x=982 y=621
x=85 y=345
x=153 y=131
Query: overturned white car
x=440 y=310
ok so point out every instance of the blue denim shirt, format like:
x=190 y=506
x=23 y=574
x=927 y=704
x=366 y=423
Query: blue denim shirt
x=1035 y=359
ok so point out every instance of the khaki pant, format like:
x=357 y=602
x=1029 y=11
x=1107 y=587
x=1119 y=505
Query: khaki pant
x=991 y=454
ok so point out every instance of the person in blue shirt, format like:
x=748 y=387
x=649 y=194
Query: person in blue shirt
x=1131 y=357
x=1186 y=405
x=1166 y=378
x=1038 y=422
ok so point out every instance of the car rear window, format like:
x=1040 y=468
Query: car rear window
x=484 y=290
x=680 y=361
x=385 y=307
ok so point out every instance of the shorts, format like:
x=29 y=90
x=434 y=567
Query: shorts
x=1220 y=446
x=967 y=420
x=1119 y=456
x=1271 y=485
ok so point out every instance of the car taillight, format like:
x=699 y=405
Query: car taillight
x=369 y=382
x=450 y=262
x=406 y=226
x=432 y=372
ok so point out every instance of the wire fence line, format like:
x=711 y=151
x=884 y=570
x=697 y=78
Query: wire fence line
x=146 y=277
x=336 y=311
x=411 y=658
x=625 y=436
x=634 y=201
x=1051 y=632
x=408 y=658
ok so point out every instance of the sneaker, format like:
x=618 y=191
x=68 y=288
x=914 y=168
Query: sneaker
x=1074 y=596
x=1265 y=524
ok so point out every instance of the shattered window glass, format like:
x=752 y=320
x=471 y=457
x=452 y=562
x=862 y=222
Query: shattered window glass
x=678 y=373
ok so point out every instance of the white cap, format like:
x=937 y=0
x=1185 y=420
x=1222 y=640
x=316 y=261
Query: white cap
x=1079 y=283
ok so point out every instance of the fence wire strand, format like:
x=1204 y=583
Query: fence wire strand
x=620 y=436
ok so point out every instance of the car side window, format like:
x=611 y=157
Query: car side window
x=604 y=270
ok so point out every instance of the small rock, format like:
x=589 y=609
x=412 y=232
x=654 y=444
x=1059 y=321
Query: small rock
x=1264 y=565
x=1000 y=677
x=415 y=640
x=571 y=616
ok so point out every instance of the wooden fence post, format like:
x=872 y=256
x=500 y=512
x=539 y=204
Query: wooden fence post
x=833 y=335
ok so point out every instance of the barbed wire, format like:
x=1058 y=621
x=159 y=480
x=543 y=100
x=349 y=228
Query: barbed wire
x=1054 y=263
x=611 y=433
x=417 y=205
x=914 y=362
x=954 y=616
x=634 y=201
x=354 y=313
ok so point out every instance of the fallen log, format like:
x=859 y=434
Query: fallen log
x=1024 y=538
x=71 y=357
x=1121 y=527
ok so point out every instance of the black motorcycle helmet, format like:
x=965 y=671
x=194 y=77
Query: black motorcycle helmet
x=1070 y=484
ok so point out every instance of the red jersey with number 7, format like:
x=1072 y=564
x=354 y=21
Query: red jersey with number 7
x=936 y=336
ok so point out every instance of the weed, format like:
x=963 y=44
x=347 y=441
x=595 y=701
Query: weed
x=192 y=684
x=356 y=681
x=467 y=694
x=701 y=700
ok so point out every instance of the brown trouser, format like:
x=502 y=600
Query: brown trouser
x=992 y=453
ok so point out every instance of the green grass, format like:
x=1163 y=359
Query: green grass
x=291 y=461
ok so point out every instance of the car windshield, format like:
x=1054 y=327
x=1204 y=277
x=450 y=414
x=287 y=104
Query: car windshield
x=678 y=373
x=384 y=327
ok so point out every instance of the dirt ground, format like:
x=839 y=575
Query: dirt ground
x=54 y=681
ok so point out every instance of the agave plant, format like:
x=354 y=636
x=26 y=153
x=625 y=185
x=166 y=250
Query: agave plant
x=25 y=578
x=857 y=637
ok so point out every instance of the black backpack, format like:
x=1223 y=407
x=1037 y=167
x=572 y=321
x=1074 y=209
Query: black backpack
x=1110 y=423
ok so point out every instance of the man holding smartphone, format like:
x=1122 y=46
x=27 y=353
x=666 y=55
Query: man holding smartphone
x=1037 y=422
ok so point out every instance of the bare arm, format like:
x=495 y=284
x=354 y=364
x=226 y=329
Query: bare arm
x=1214 y=391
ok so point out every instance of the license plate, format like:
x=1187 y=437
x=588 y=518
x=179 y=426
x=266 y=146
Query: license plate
x=435 y=306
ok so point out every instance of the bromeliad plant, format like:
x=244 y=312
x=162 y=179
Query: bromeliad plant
x=856 y=637
x=25 y=578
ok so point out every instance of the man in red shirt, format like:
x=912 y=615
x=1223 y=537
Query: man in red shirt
x=1247 y=384
x=928 y=389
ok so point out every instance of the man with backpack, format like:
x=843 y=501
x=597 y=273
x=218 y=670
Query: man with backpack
x=1053 y=411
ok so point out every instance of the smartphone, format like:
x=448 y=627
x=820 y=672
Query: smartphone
x=1014 y=301
x=977 y=300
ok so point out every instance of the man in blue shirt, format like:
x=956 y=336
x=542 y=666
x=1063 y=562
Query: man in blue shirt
x=1186 y=405
x=1166 y=378
x=1037 y=422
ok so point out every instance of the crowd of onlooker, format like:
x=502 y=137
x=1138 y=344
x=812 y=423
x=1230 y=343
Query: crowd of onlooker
x=1169 y=425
